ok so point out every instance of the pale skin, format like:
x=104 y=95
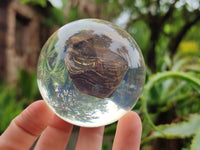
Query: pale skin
x=37 y=120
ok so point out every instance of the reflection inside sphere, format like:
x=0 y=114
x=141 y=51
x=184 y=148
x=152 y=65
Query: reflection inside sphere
x=90 y=72
x=90 y=65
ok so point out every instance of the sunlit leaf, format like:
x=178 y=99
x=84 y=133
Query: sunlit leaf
x=177 y=130
x=195 y=141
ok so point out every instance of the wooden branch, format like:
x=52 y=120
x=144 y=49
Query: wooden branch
x=169 y=12
x=175 y=41
x=157 y=6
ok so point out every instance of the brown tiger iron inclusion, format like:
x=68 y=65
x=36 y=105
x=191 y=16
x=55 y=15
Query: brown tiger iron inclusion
x=93 y=67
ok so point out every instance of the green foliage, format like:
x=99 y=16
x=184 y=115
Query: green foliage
x=110 y=129
x=100 y=1
x=9 y=107
x=195 y=141
x=73 y=14
x=55 y=16
x=170 y=91
x=14 y=98
x=42 y=3
x=142 y=39
x=51 y=72
x=175 y=130
x=28 y=85
x=105 y=146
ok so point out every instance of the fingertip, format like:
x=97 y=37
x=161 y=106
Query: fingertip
x=133 y=119
x=128 y=134
x=39 y=106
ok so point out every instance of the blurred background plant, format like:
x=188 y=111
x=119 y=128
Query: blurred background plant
x=168 y=34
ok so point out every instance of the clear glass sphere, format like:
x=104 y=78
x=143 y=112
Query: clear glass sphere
x=90 y=72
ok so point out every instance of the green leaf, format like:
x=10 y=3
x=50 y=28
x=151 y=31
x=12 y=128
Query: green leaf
x=177 y=130
x=73 y=14
x=54 y=17
x=9 y=107
x=160 y=77
x=42 y=3
x=195 y=141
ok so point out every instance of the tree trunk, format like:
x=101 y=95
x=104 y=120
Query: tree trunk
x=155 y=27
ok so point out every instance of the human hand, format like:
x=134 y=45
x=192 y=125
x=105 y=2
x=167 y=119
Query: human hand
x=38 y=120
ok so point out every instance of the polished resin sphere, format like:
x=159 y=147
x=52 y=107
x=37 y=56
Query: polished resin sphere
x=90 y=72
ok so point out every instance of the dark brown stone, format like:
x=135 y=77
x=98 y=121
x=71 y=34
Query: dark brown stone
x=93 y=67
